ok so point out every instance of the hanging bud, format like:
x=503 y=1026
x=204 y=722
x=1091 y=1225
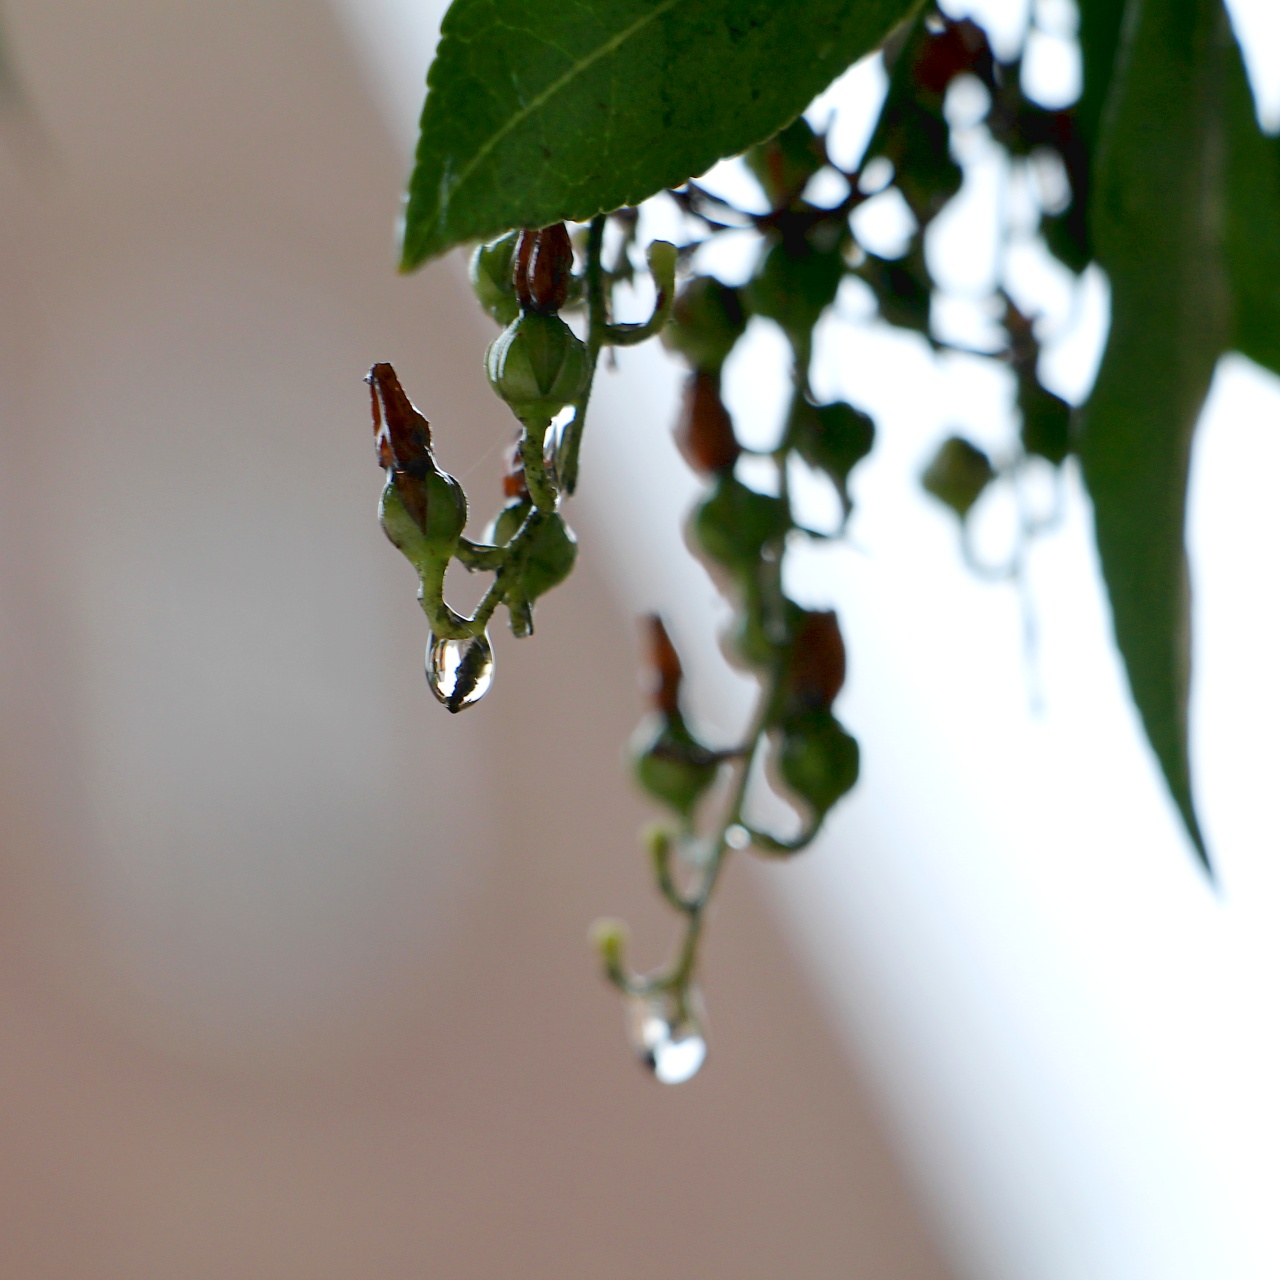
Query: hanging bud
x=958 y=474
x=670 y=763
x=733 y=524
x=513 y=481
x=543 y=269
x=423 y=510
x=401 y=434
x=537 y=365
x=492 y=278
x=817 y=759
x=704 y=430
x=816 y=664
x=664 y=663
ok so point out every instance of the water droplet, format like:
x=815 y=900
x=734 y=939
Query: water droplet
x=737 y=836
x=667 y=1034
x=459 y=671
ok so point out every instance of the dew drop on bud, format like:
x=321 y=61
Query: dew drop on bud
x=459 y=671
x=667 y=1034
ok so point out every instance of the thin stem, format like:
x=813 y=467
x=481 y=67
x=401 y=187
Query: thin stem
x=597 y=321
x=696 y=906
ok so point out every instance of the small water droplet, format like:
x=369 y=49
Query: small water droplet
x=737 y=836
x=459 y=671
x=667 y=1034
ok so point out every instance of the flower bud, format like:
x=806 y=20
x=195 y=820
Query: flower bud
x=958 y=475
x=543 y=269
x=491 y=278
x=537 y=365
x=402 y=435
x=704 y=430
x=423 y=510
x=816 y=663
x=671 y=765
x=664 y=662
x=733 y=524
x=817 y=759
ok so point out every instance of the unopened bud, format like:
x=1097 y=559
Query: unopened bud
x=491 y=278
x=543 y=269
x=817 y=663
x=704 y=431
x=537 y=365
x=513 y=481
x=958 y=475
x=609 y=938
x=664 y=662
x=402 y=435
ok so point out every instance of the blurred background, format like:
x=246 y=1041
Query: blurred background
x=293 y=972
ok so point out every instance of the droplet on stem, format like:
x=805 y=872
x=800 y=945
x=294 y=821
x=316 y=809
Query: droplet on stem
x=667 y=1034
x=459 y=671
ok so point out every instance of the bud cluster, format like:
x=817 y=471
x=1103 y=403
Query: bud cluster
x=542 y=367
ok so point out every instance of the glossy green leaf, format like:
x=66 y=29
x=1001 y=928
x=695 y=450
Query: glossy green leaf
x=1156 y=222
x=540 y=110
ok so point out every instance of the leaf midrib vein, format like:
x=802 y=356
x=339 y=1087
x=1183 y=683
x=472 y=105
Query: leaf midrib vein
x=609 y=46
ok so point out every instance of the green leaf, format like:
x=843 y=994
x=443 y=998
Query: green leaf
x=541 y=110
x=1253 y=222
x=1156 y=222
x=1067 y=233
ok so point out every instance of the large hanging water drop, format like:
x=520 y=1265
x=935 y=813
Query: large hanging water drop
x=667 y=1034
x=459 y=671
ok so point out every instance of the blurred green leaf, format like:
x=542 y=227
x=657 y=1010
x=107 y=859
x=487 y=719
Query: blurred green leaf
x=539 y=110
x=1157 y=228
x=1253 y=222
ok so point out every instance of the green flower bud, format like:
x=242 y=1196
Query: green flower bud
x=707 y=318
x=423 y=510
x=958 y=475
x=549 y=554
x=817 y=759
x=491 y=278
x=671 y=765
x=537 y=365
x=423 y=516
x=733 y=523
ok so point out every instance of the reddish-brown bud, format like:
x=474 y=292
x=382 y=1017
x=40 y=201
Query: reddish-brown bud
x=704 y=430
x=664 y=662
x=958 y=47
x=543 y=269
x=513 y=481
x=402 y=436
x=816 y=671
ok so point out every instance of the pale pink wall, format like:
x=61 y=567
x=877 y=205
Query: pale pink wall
x=292 y=972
